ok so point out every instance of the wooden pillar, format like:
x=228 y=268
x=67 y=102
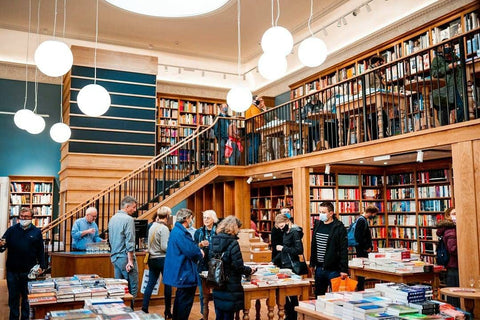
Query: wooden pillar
x=301 y=210
x=466 y=177
x=242 y=201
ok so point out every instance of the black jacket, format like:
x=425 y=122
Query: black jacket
x=336 y=256
x=200 y=235
x=363 y=237
x=292 y=247
x=276 y=238
x=229 y=298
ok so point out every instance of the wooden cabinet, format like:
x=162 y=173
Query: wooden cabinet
x=35 y=193
x=431 y=33
x=267 y=198
x=410 y=198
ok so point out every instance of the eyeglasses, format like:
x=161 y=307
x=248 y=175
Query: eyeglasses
x=25 y=217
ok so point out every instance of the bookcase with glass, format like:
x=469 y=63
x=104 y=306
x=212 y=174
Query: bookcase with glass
x=35 y=193
x=266 y=200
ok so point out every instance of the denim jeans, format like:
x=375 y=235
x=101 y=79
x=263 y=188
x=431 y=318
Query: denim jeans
x=322 y=280
x=183 y=303
x=253 y=140
x=17 y=284
x=155 y=267
x=121 y=273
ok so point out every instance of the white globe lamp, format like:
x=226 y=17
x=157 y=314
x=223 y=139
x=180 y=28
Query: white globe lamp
x=277 y=40
x=272 y=66
x=54 y=58
x=312 y=52
x=23 y=118
x=37 y=125
x=93 y=100
x=239 y=98
x=60 y=132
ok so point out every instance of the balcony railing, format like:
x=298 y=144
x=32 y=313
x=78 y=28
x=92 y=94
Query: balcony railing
x=433 y=87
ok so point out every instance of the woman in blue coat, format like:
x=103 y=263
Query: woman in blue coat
x=229 y=298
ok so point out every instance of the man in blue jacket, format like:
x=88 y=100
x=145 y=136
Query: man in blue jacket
x=181 y=265
x=25 y=249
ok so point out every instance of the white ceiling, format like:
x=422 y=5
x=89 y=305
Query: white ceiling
x=203 y=43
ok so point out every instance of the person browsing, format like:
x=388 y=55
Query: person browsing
x=85 y=230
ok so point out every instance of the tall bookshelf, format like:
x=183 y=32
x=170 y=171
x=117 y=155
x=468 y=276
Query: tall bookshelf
x=411 y=198
x=431 y=33
x=266 y=200
x=178 y=117
x=31 y=192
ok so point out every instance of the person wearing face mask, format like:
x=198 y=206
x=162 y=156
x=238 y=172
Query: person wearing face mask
x=288 y=251
x=446 y=65
x=329 y=249
x=221 y=131
x=202 y=238
x=85 y=230
x=364 y=238
x=180 y=268
x=25 y=249
x=447 y=228
x=276 y=236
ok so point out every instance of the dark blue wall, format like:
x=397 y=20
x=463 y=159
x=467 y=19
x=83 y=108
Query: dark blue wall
x=22 y=153
x=282 y=98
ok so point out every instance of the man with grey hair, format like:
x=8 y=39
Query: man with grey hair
x=121 y=229
x=180 y=269
x=85 y=230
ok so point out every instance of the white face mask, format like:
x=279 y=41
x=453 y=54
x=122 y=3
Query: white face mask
x=25 y=223
x=454 y=218
x=190 y=224
x=323 y=217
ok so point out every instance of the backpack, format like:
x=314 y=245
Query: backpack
x=352 y=242
x=216 y=274
x=442 y=253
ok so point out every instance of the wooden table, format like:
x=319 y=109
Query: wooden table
x=258 y=293
x=424 y=86
x=40 y=310
x=392 y=276
x=321 y=117
x=307 y=314
x=467 y=298
x=286 y=129
x=300 y=289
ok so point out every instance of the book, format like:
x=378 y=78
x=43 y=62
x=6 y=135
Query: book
x=400 y=309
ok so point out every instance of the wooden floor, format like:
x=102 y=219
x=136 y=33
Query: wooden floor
x=194 y=315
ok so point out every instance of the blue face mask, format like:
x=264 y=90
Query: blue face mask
x=323 y=217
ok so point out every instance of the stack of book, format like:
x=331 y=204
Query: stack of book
x=41 y=292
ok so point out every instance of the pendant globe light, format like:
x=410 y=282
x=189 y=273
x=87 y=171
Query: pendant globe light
x=24 y=116
x=53 y=57
x=239 y=98
x=60 y=132
x=277 y=40
x=272 y=66
x=36 y=123
x=312 y=51
x=93 y=99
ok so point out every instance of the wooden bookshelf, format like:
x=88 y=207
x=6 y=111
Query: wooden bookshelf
x=410 y=198
x=32 y=192
x=267 y=198
x=429 y=34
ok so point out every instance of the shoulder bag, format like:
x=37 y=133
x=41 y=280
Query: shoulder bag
x=299 y=267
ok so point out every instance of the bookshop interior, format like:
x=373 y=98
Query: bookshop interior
x=253 y=176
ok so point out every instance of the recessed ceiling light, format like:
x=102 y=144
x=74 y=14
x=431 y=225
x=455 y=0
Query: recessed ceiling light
x=169 y=8
x=385 y=162
x=361 y=161
x=381 y=158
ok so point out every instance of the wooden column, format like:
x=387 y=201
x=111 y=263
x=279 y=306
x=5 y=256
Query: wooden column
x=242 y=201
x=301 y=210
x=466 y=178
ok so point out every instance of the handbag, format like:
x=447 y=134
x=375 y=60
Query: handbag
x=347 y=284
x=299 y=267
x=216 y=274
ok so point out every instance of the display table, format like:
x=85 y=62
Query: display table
x=40 y=310
x=308 y=314
x=467 y=298
x=301 y=290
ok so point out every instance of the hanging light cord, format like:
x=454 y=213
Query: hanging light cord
x=278 y=12
x=26 y=58
x=55 y=20
x=36 y=69
x=310 y=18
x=63 y=36
x=273 y=24
x=96 y=41
x=238 y=38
